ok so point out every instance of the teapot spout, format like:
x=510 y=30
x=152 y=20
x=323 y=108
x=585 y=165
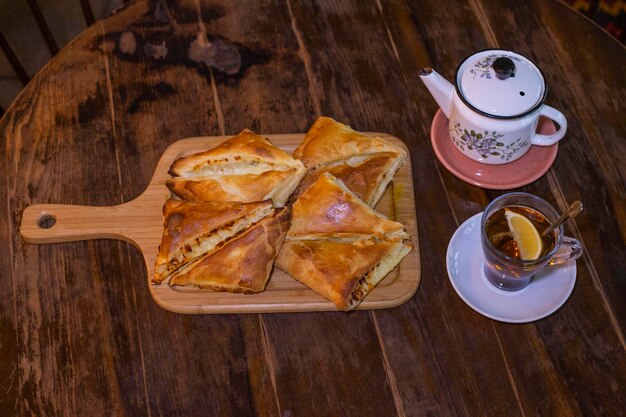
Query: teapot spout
x=440 y=88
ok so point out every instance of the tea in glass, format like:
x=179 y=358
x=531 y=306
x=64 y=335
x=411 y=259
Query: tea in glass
x=513 y=256
x=500 y=234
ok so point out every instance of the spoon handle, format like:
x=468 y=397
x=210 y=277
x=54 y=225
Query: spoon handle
x=572 y=211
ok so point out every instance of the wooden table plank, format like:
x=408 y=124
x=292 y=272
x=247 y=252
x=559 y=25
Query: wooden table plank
x=595 y=311
x=375 y=96
x=82 y=336
x=466 y=200
x=66 y=340
x=184 y=357
x=592 y=96
x=569 y=319
x=277 y=99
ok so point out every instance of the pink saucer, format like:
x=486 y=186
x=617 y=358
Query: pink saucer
x=514 y=174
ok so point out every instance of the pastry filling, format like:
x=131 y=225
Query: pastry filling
x=226 y=167
x=376 y=274
x=386 y=180
x=205 y=243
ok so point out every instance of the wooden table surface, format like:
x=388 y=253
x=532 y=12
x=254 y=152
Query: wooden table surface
x=79 y=332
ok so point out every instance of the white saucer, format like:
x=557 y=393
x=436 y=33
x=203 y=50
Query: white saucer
x=543 y=296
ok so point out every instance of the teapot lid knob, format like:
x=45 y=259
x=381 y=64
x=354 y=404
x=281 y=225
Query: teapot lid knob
x=504 y=68
x=479 y=84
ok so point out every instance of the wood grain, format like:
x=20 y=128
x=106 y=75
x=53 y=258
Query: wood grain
x=82 y=336
x=140 y=222
x=430 y=348
x=287 y=102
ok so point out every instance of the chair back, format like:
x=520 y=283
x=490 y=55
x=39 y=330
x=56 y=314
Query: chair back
x=21 y=75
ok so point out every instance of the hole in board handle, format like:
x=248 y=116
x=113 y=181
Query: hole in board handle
x=46 y=221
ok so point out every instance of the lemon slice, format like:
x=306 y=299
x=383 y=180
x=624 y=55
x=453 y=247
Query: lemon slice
x=525 y=234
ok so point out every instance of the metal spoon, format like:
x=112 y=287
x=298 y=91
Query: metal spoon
x=572 y=211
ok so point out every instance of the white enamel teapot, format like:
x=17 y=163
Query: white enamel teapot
x=494 y=105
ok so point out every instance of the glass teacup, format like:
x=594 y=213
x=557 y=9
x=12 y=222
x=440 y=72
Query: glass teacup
x=509 y=272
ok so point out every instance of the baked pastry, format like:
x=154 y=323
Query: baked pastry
x=364 y=163
x=223 y=246
x=192 y=229
x=244 y=168
x=337 y=245
x=343 y=272
x=328 y=209
x=244 y=263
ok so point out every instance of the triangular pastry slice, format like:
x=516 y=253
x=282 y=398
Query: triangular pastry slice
x=365 y=163
x=343 y=272
x=246 y=153
x=329 y=141
x=368 y=178
x=363 y=174
x=327 y=209
x=339 y=246
x=239 y=160
x=191 y=229
x=243 y=188
x=244 y=263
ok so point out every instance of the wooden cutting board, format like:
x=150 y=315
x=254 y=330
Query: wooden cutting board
x=140 y=222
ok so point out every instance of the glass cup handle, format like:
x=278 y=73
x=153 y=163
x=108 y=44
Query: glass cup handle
x=570 y=249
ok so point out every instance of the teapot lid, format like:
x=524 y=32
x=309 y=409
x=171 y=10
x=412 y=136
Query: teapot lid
x=500 y=84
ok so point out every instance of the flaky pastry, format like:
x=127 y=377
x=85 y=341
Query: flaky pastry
x=366 y=164
x=242 y=264
x=337 y=245
x=221 y=246
x=244 y=168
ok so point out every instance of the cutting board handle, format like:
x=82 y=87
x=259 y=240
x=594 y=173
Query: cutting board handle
x=52 y=223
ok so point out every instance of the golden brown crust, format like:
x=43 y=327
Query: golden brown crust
x=361 y=178
x=246 y=147
x=244 y=263
x=187 y=225
x=331 y=268
x=339 y=246
x=244 y=168
x=328 y=209
x=244 y=188
x=366 y=164
x=329 y=141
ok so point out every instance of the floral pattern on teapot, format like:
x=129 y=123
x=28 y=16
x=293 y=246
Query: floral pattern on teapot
x=483 y=67
x=486 y=144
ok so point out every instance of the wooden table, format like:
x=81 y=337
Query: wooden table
x=79 y=332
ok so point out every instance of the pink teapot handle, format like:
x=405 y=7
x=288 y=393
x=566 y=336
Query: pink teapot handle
x=557 y=116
